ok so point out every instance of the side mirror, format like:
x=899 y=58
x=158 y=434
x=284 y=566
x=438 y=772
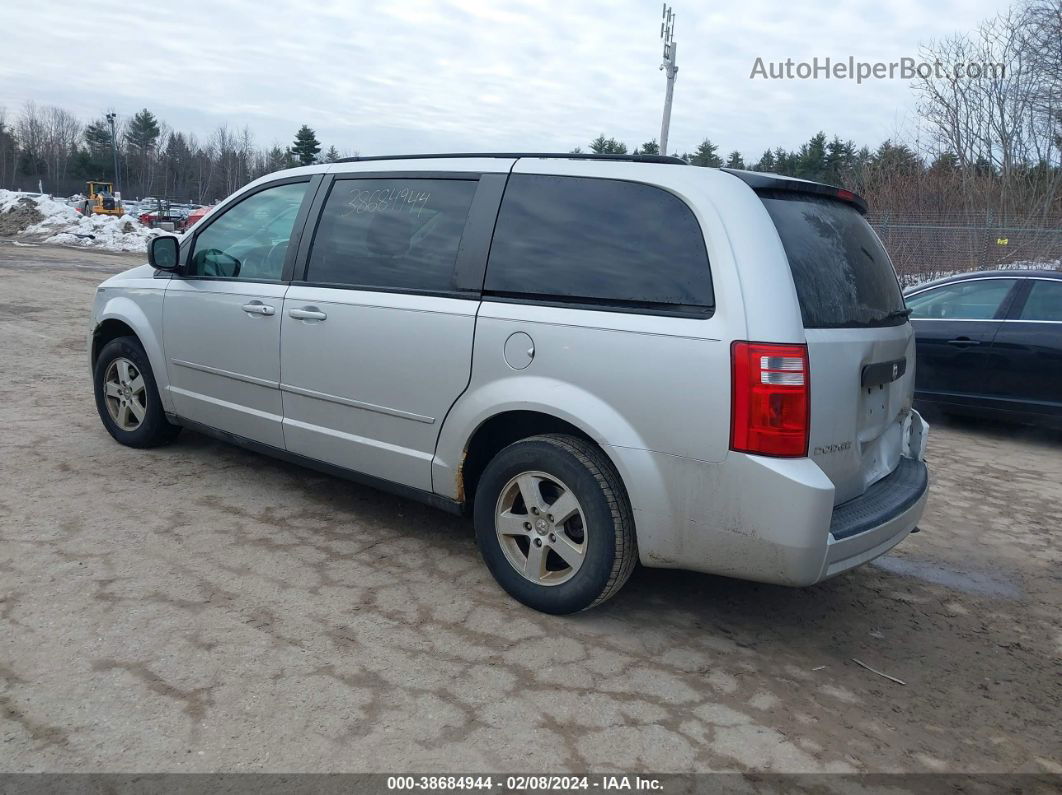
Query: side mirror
x=163 y=252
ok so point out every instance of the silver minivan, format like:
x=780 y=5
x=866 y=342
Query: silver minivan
x=603 y=360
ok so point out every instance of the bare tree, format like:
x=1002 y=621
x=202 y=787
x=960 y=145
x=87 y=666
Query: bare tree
x=8 y=150
x=30 y=134
x=993 y=103
x=62 y=133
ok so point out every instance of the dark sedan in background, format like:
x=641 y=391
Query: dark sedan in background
x=990 y=344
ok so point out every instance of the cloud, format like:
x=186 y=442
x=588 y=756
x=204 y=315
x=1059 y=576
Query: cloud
x=468 y=75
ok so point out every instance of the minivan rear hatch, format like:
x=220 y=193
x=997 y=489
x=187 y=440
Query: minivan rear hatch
x=860 y=345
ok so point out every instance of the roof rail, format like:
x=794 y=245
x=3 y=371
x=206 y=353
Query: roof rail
x=554 y=155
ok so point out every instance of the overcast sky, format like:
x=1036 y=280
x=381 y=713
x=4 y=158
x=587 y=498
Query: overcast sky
x=462 y=75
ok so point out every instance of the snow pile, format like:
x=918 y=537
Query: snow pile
x=49 y=221
x=910 y=280
x=1033 y=265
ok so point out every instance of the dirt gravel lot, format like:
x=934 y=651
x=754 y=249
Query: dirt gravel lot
x=201 y=608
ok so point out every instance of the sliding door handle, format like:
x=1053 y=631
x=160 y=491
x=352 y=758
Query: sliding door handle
x=307 y=313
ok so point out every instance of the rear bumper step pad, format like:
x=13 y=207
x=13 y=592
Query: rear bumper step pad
x=885 y=500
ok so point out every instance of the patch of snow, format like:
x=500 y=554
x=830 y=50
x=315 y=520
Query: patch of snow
x=62 y=225
x=907 y=281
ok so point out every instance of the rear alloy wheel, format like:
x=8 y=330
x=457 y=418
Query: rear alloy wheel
x=553 y=523
x=541 y=528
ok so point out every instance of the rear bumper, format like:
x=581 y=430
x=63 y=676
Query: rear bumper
x=769 y=519
x=871 y=525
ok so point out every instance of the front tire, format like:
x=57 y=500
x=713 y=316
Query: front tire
x=554 y=525
x=127 y=396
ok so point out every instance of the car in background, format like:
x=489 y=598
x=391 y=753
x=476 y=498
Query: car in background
x=170 y=213
x=196 y=214
x=990 y=344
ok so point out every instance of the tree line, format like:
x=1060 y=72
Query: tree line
x=51 y=147
x=987 y=147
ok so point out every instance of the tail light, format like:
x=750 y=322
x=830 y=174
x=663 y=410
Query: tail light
x=771 y=389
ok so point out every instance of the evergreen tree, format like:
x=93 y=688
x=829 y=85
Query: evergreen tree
x=176 y=158
x=277 y=159
x=306 y=146
x=607 y=146
x=766 y=162
x=735 y=160
x=650 y=148
x=332 y=155
x=97 y=162
x=945 y=162
x=897 y=158
x=98 y=137
x=706 y=155
x=838 y=163
x=785 y=162
x=811 y=160
x=143 y=132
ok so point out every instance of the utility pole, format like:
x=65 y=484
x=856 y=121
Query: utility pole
x=667 y=33
x=114 y=148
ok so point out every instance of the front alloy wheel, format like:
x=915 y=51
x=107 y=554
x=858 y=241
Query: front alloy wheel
x=127 y=397
x=125 y=393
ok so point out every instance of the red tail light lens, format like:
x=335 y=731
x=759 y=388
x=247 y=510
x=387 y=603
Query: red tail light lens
x=771 y=389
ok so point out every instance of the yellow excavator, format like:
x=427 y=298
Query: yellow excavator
x=100 y=200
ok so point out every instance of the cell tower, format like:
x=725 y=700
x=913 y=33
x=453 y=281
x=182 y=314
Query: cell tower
x=667 y=33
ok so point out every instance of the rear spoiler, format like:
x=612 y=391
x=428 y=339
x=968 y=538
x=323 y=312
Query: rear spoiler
x=765 y=181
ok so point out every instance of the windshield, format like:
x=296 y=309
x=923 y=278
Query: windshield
x=843 y=275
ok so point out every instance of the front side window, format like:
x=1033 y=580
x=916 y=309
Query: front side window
x=1044 y=301
x=398 y=234
x=249 y=241
x=974 y=300
x=598 y=241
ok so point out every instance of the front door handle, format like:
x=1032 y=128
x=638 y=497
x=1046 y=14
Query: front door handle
x=258 y=308
x=963 y=342
x=307 y=313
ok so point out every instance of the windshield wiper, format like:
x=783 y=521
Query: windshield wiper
x=896 y=314
x=883 y=320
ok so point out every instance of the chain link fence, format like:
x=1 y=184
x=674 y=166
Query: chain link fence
x=926 y=247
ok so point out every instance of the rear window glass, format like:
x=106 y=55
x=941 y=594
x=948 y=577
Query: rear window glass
x=842 y=274
x=598 y=241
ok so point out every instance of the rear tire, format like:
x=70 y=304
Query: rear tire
x=127 y=396
x=554 y=524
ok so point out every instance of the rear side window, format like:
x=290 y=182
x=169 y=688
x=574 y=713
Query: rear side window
x=979 y=299
x=385 y=234
x=1044 y=301
x=598 y=241
x=842 y=274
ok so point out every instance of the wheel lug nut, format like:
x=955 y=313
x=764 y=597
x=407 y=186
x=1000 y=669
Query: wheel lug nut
x=552 y=537
x=527 y=525
x=538 y=542
x=534 y=511
x=549 y=517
